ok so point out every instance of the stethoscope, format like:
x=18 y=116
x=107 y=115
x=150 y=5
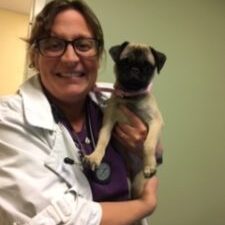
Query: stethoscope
x=102 y=173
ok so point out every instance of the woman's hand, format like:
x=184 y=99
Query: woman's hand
x=132 y=135
x=149 y=194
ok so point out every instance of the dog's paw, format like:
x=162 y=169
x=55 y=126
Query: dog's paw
x=149 y=171
x=92 y=160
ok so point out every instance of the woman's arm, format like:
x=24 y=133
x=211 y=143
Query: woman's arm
x=75 y=210
x=128 y=212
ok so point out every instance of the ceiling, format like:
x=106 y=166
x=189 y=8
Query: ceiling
x=20 y=6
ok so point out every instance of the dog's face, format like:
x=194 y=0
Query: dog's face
x=135 y=65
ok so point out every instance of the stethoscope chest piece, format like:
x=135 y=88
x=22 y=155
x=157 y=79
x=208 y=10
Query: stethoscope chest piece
x=103 y=173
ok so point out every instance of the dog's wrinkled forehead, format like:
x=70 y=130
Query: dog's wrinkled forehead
x=139 y=49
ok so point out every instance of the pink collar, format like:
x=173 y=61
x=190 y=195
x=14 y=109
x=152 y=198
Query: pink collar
x=122 y=94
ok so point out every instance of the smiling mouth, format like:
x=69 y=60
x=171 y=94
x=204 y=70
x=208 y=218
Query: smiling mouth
x=70 y=74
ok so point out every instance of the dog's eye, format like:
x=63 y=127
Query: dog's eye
x=123 y=65
x=149 y=68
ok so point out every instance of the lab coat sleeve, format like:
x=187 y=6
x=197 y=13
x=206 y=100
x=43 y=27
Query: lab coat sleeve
x=30 y=193
x=70 y=209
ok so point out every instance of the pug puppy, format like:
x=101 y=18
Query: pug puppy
x=135 y=67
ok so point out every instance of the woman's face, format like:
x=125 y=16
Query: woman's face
x=69 y=77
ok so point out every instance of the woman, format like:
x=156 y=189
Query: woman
x=53 y=121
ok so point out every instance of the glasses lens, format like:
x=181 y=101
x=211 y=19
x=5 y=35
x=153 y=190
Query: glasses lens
x=51 y=47
x=86 y=46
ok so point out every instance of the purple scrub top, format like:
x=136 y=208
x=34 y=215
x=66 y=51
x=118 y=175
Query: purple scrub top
x=116 y=186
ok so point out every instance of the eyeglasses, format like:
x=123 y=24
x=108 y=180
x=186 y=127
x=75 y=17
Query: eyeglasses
x=56 y=47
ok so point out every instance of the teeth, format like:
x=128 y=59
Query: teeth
x=72 y=74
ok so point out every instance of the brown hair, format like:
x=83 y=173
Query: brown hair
x=44 y=21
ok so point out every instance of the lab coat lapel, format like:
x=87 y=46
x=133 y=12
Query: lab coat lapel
x=72 y=174
x=37 y=111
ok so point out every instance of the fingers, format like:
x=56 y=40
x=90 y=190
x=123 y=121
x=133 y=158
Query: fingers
x=150 y=187
x=134 y=120
x=152 y=184
x=124 y=137
x=129 y=136
x=132 y=135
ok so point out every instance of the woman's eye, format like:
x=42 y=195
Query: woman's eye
x=54 y=45
x=83 y=46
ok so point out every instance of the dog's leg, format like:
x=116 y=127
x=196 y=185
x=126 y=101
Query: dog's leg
x=150 y=146
x=138 y=185
x=95 y=158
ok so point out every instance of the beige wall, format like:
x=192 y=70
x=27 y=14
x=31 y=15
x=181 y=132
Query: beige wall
x=13 y=26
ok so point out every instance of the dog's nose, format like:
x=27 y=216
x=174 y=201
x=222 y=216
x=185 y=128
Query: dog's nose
x=134 y=71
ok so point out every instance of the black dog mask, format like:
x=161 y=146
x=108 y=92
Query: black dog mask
x=134 y=69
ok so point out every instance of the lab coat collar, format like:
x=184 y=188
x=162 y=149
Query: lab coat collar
x=37 y=109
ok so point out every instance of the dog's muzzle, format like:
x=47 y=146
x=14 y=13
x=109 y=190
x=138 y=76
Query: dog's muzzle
x=135 y=72
x=133 y=76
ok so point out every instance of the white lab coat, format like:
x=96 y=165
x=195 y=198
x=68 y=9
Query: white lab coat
x=36 y=186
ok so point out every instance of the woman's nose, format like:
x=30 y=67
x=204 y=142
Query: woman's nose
x=70 y=54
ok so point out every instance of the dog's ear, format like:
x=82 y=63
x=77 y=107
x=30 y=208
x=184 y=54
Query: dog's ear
x=160 y=58
x=116 y=50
